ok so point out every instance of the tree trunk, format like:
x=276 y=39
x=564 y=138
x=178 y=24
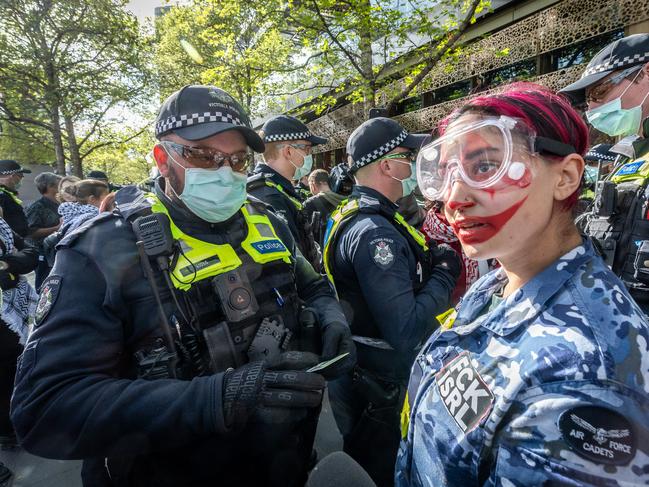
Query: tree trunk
x=367 y=65
x=73 y=147
x=57 y=139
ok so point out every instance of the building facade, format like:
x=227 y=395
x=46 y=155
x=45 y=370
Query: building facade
x=544 y=41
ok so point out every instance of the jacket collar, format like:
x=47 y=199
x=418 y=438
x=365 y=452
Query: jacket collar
x=277 y=178
x=523 y=306
x=369 y=197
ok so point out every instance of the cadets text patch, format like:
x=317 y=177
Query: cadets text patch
x=49 y=293
x=598 y=434
x=465 y=395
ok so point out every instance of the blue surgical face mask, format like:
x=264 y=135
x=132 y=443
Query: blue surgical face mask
x=614 y=120
x=212 y=195
x=409 y=184
x=590 y=174
x=305 y=169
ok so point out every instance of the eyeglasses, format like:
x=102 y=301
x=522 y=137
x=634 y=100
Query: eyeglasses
x=305 y=147
x=410 y=156
x=598 y=93
x=207 y=158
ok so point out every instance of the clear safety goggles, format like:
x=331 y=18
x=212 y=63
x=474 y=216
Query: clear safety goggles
x=482 y=154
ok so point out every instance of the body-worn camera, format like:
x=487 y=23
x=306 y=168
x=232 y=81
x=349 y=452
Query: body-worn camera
x=237 y=297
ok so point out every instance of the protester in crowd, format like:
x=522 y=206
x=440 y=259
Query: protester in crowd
x=11 y=176
x=64 y=196
x=88 y=195
x=438 y=231
x=540 y=375
x=324 y=202
x=43 y=219
x=17 y=308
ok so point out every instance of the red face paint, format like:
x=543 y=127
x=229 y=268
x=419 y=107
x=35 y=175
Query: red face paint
x=478 y=229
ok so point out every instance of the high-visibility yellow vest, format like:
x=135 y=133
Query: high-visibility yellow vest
x=199 y=260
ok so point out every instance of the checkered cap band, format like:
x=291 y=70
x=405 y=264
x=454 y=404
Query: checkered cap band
x=613 y=64
x=181 y=121
x=380 y=151
x=291 y=136
x=11 y=171
x=599 y=155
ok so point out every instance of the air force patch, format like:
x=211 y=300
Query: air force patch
x=464 y=393
x=47 y=298
x=598 y=434
x=382 y=251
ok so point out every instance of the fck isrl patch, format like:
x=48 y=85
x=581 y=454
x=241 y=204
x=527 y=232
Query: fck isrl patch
x=465 y=394
x=598 y=434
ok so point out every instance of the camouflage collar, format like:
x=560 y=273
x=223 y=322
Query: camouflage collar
x=522 y=307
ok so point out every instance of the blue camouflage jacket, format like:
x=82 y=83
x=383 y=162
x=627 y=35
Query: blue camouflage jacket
x=550 y=387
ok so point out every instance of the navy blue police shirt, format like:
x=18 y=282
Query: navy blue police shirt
x=379 y=282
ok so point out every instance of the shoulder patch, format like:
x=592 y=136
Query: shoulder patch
x=49 y=292
x=382 y=252
x=465 y=394
x=598 y=434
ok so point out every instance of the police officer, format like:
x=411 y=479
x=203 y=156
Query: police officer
x=389 y=285
x=165 y=327
x=287 y=158
x=615 y=85
x=11 y=176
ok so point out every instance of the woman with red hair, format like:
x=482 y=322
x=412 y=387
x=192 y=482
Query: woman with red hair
x=540 y=376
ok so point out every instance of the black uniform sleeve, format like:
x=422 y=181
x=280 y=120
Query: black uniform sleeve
x=68 y=400
x=403 y=317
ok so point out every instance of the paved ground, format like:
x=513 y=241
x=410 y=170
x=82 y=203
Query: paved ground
x=31 y=471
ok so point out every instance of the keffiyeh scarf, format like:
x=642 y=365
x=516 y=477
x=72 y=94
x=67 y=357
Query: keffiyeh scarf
x=18 y=304
x=437 y=228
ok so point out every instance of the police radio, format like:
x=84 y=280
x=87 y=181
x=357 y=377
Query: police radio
x=154 y=231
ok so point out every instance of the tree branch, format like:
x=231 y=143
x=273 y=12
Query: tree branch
x=443 y=46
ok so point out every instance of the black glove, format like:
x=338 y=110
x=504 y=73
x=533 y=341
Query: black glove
x=446 y=258
x=336 y=340
x=254 y=385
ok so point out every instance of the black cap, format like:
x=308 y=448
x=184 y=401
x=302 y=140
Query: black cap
x=377 y=137
x=620 y=54
x=196 y=112
x=9 y=166
x=285 y=128
x=97 y=175
x=600 y=152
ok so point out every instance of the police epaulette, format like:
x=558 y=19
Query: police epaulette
x=257 y=180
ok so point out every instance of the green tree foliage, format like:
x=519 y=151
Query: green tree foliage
x=363 y=44
x=125 y=162
x=237 y=45
x=69 y=72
